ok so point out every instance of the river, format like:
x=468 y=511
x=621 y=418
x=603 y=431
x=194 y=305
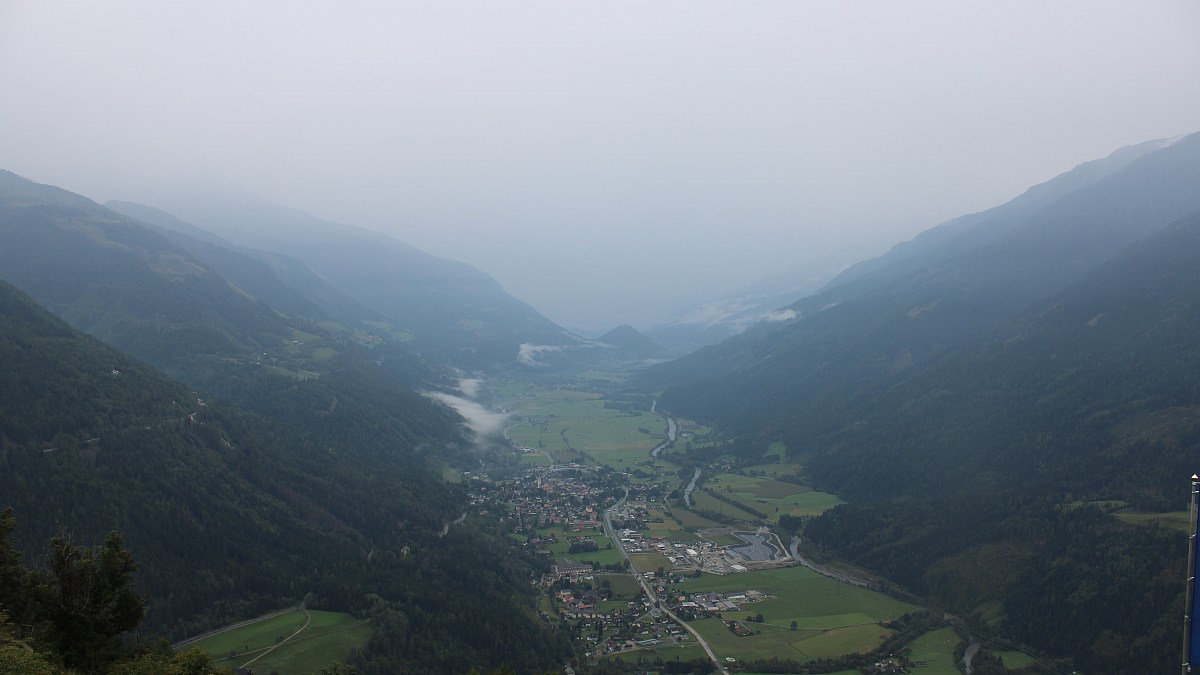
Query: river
x=687 y=494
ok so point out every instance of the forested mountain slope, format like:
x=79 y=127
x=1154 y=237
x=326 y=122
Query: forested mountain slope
x=230 y=513
x=114 y=277
x=986 y=411
x=789 y=379
x=975 y=230
x=286 y=284
x=997 y=467
x=452 y=309
x=1094 y=391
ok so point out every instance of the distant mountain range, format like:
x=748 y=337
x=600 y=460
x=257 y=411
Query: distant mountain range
x=970 y=386
x=721 y=318
x=446 y=309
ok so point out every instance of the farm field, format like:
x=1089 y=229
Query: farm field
x=622 y=585
x=649 y=562
x=831 y=618
x=561 y=420
x=329 y=637
x=684 y=652
x=1016 y=659
x=691 y=521
x=936 y=648
x=770 y=496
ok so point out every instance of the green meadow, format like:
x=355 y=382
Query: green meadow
x=329 y=637
x=770 y=496
x=936 y=649
x=563 y=421
x=831 y=618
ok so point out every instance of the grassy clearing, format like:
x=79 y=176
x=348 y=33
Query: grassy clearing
x=776 y=469
x=254 y=636
x=1016 y=659
x=937 y=649
x=329 y=637
x=649 y=562
x=318 y=646
x=1176 y=520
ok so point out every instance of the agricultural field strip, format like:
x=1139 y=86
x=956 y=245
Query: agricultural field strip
x=235 y=626
x=223 y=648
x=307 y=622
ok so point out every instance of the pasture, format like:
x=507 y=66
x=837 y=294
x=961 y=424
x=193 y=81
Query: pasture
x=562 y=421
x=328 y=637
x=1176 y=520
x=770 y=496
x=831 y=618
x=649 y=562
x=936 y=648
x=683 y=652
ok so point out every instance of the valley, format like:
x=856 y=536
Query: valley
x=960 y=454
x=594 y=484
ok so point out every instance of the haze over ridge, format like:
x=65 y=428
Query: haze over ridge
x=567 y=150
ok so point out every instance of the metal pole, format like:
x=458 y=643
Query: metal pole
x=1191 y=579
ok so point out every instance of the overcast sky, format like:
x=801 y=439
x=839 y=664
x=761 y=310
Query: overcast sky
x=607 y=162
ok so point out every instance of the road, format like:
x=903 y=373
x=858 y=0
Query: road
x=608 y=529
x=277 y=645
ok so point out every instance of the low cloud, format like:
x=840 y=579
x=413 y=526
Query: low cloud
x=480 y=420
x=527 y=353
x=469 y=386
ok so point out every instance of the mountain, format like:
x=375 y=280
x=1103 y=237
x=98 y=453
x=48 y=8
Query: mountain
x=632 y=342
x=451 y=309
x=870 y=331
x=318 y=492
x=115 y=278
x=769 y=300
x=766 y=300
x=112 y=277
x=231 y=514
x=284 y=283
x=989 y=398
x=978 y=229
x=1009 y=454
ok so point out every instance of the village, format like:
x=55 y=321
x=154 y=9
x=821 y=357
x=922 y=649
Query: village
x=558 y=513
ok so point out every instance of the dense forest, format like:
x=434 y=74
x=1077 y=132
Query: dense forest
x=986 y=399
x=230 y=513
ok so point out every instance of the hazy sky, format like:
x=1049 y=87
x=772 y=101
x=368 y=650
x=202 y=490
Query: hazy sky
x=607 y=162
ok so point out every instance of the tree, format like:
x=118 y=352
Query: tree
x=86 y=600
x=793 y=625
x=17 y=657
x=13 y=576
